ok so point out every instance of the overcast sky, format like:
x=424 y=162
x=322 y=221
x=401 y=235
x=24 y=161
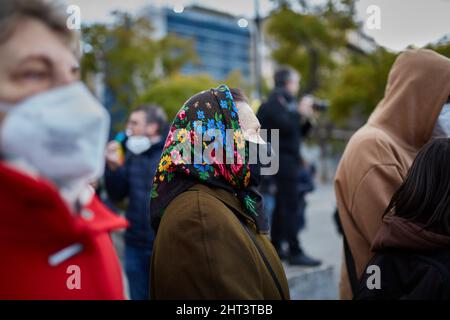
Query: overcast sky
x=403 y=22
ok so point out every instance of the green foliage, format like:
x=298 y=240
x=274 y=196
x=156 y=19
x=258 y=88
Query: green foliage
x=306 y=40
x=128 y=57
x=171 y=92
x=313 y=40
x=358 y=85
x=443 y=49
x=175 y=53
x=139 y=69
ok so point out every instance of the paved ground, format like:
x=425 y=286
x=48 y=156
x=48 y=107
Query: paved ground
x=320 y=239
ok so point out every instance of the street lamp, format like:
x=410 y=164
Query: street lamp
x=257 y=50
x=243 y=23
x=178 y=9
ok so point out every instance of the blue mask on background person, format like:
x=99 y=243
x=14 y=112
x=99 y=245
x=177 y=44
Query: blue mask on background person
x=442 y=127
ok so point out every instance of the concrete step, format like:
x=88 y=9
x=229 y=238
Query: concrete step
x=312 y=283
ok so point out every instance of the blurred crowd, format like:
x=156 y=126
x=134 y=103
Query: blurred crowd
x=208 y=229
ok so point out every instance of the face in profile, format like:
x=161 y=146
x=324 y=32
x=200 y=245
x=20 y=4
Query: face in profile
x=137 y=123
x=293 y=84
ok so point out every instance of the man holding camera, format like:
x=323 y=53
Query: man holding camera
x=282 y=111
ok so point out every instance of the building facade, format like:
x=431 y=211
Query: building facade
x=223 y=42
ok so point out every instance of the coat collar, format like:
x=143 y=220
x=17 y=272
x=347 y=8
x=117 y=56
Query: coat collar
x=397 y=232
x=228 y=198
x=36 y=206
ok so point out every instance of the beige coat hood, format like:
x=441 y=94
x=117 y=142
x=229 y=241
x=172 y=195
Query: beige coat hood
x=417 y=88
x=378 y=156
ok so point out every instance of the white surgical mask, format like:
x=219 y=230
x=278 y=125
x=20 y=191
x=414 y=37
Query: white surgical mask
x=442 y=127
x=61 y=134
x=138 y=144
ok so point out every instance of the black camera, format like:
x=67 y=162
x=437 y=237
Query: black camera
x=321 y=105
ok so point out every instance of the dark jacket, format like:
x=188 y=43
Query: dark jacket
x=280 y=112
x=305 y=180
x=202 y=251
x=134 y=181
x=414 y=263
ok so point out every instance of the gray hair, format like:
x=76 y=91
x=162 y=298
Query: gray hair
x=52 y=13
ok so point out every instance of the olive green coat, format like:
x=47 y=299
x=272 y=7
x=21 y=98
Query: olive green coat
x=202 y=251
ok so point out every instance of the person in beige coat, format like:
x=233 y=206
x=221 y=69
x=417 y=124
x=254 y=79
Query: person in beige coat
x=379 y=154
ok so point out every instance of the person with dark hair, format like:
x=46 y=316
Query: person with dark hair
x=131 y=178
x=283 y=112
x=379 y=154
x=287 y=78
x=412 y=246
x=211 y=240
x=55 y=233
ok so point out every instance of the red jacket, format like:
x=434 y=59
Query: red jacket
x=46 y=252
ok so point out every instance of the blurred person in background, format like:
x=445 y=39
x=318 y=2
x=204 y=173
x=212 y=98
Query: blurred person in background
x=305 y=184
x=379 y=155
x=132 y=178
x=283 y=112
x=55 y=241
x=212 y=234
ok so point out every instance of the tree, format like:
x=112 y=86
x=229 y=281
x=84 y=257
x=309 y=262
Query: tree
x=358 y=85
x=129 y=59
x=171 y=92
x=442 y=48
x=306 y=39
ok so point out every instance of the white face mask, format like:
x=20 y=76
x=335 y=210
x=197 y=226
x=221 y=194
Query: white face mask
x=442 y=127
x=60 y=133
x=138 y=144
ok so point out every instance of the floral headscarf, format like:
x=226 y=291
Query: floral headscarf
x=204 y=115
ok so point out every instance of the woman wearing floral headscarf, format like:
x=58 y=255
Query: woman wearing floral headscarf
x=211 y=240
